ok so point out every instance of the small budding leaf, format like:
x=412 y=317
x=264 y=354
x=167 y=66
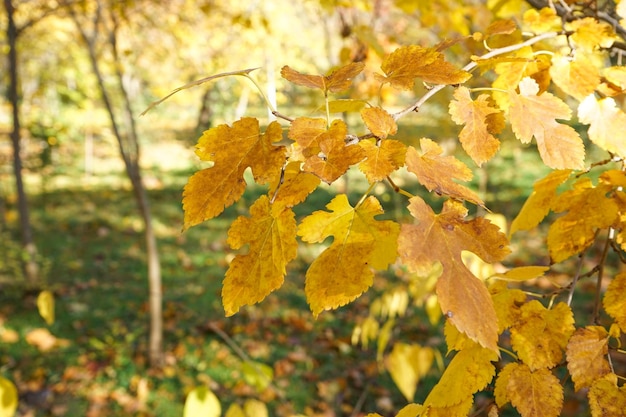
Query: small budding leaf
x=231 y=149
x=271 y=235
x=442 y=238
x=406 y=63
x=532 y=115
x=481 y=119
x=532 y=393
x=540 y=335
x=437 y=172
x=586 y=355
x=344 y=270
x=337 y=81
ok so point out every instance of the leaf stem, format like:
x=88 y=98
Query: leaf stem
x=508 y=352
x=398 y=189
x=369 y=190
x=575 y=280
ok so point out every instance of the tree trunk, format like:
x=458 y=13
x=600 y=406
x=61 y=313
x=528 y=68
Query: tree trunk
x=30 y=267
x=129 y=150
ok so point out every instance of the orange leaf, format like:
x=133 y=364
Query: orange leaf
x=588 y=209
x=537 y=206
x=478 y=117
x=232 y=150
x=379 y=122
x=586 y=355
x=326 y=153
x=501 y=27
x=530 y=114
x=442 y=238
x=614 y=300
x=381 y=160
x=337 y=81
x=607 y=123
x=533 y=393
x=606 y=399
x=295 y=186
x=406 y=63
x=343 y=271
x=271 y=236
x=540 y=335
x=437 y=172
x=468 y=372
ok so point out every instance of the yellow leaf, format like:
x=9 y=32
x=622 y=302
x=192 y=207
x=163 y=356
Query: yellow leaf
x=460 y=409
x=232 y=150
x=437 y=172
x=343 y=271
x=606 y=399
x=202 y=402
x=235 y=410
x=614 y=300
x=530 y=115
x=522 y=273
x=45 y=305
x=455 y=339
x=468 y=372
x=588 y=209
x=578 y=78
x=406 y=63
x=255 y=408
x=532 y=393
x=381 y=160
x=271 y=236
x=326 y=153
x=511 y=69
x=501 y=27
x=540 y=335
x=295 y=185
x=8 y=398
x=607 y=123
x=410 y=410
x=539 y=202
x=344 y=106
x=407 y=364
x=586 y=355
x=256 y=374
x=591 y=34
x=481 y=121
x=544 y=20
x=379 y=122
x=442 y=238
x=507 y=302
x=337 y=81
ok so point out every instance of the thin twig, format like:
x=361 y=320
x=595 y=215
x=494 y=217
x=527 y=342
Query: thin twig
x=576 y=277
x=359 y=404
x=597 y=302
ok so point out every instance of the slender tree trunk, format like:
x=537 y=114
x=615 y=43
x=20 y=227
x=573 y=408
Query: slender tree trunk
x=129 y=150
x=31 y=269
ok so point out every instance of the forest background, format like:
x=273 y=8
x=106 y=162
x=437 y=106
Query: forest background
x=107 y=308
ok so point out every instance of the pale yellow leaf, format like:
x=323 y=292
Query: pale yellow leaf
x=410 y=410
x=578 y=77
x=45 y=305
x=407 y=364
x=201 y=401
x=255 y=408
x=607 y=123
x=522 y=273
x=590 y=34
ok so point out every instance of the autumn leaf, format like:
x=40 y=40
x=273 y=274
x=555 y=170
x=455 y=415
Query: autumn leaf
x=586 y=355
x=578 y=78
x=588 y=209
x=379 y=122
x=381 y=159
x=271 y=236
x=591 y=34
x=293 y=187
x=481 y=121
x=232 y=150
x=532 y=393
x=544 y=20
x=539 y=336
x=522 y=273
x=8 y=397
x=406 y=63
x=606 y=399
x=407 y=364
x=507 y=303
x=437 y=172
x=326 y=152
x=607 y=123
x=533 y=115
x=614 y=301
x=538 y=204
x=501 y=27
x=45 y=305
x=337 y=81
x=460 y=409
x=469 y=371
x=202 y=401
x=343 y=271
x=442 y=238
